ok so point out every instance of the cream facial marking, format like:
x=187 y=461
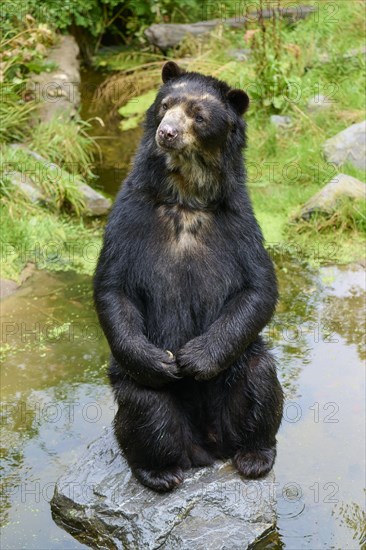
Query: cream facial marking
x=179 y=85
x=192 y=96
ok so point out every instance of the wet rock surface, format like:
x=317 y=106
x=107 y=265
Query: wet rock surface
x=348 y=146
x=100 y=503
x=8 y=286
x=341 y=186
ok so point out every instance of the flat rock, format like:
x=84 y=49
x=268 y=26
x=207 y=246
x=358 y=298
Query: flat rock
x=169 y=35
x=101 y=504
x=348 y=146
x=342 y=186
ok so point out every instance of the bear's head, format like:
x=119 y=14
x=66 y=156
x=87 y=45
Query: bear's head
x=195 y=114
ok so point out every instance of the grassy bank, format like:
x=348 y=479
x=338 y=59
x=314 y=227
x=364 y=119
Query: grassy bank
x=42 y=209
x=296 y=63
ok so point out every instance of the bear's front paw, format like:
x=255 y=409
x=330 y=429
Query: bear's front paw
x=194 y=360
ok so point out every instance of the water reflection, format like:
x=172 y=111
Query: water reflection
x=116 y=147
x=56 y=400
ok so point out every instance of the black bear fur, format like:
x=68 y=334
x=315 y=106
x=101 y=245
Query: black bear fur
x=183 y=288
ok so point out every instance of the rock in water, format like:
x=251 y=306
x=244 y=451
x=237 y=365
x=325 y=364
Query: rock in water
x=342 y=186
x=101 y=504
x=348 y=146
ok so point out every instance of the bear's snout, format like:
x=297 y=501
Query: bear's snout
x=171 y=131
x=167 y=134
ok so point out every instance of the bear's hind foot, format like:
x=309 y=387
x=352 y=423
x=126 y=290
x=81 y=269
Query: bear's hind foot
x=255 y=463
x=161 y=481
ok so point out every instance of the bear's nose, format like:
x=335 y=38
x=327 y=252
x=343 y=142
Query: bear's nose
x=168 y=133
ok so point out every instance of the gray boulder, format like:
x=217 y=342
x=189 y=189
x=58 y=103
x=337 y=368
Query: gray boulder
x=319 y=103
x=8 y=287
x=342 y=186
x=281 y=121
x=100 y=503
x=348 y=146
x=96 y=203
x=25 y=184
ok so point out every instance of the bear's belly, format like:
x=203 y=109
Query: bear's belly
x=186 y=271
x=182 y=297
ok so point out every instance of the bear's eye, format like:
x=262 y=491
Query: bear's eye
x=199 y=118
x=164 y=106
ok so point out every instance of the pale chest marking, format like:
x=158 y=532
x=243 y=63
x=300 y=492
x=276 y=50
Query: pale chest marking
x=185 y=229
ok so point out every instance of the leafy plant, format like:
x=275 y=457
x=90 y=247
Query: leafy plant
x=21 y=51
x=14 y=112
x=273 y=64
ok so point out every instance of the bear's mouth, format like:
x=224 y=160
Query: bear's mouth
x=167 y=144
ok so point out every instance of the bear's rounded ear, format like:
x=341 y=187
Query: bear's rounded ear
x=170 y=71
x=239 y=100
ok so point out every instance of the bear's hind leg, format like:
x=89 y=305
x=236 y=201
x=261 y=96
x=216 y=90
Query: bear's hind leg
x=152 y=434
x=253 y=414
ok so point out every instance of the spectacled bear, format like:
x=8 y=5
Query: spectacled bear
x=183 y=288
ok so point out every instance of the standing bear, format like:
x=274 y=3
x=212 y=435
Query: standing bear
x=183 y=288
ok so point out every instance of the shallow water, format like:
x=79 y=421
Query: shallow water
x=55 y=400
x=116 y=147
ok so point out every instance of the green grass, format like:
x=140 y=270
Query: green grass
x=50 y=241
x=59 y=189
x=50 y=233
x=286 y=167
x=14 y=112
x=66 y=143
